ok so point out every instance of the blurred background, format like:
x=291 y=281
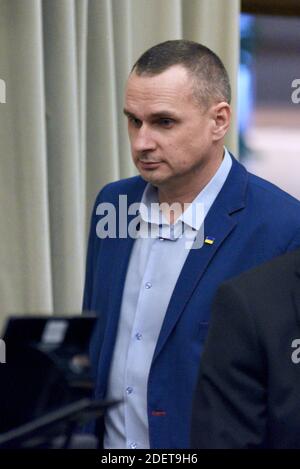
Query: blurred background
x=269 y=122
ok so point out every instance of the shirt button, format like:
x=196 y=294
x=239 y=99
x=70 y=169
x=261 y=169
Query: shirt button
x=133 y=445
x=129 y=390
x=148 y=285
x=138 y=336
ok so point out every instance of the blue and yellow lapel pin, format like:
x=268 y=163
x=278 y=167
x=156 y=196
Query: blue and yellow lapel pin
x=209 y=240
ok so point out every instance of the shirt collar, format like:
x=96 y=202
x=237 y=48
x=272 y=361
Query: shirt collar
x=198 y=209
x=194 y=215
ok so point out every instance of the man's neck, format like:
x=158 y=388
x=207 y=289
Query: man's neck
x=185 y=190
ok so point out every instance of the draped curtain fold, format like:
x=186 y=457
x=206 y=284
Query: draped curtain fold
x=62 y=132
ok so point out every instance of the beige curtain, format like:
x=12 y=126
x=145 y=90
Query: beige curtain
x=62 y=134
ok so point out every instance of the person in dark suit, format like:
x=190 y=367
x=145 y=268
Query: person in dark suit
x=247 y=394
x=153 y=293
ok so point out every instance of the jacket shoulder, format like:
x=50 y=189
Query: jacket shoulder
x=132 y=186
x=277 y=271
x=271 y=191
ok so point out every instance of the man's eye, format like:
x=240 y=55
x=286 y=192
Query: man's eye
x=166 y=122
x=134 y=121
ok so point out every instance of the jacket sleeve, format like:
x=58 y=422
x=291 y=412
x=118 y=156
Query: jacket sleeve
x=91 y=260
x=230 y=400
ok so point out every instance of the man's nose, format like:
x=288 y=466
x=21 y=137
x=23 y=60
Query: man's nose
x=144 y=140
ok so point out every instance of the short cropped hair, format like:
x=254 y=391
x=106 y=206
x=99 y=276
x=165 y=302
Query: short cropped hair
x=211 y=81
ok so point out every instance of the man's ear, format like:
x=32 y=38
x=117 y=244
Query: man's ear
x=221 y=114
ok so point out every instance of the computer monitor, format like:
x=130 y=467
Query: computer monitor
x=46 y=366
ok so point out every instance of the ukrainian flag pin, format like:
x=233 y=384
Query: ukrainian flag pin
x=209 y=240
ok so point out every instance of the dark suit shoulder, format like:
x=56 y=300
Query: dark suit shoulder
x=273 y=276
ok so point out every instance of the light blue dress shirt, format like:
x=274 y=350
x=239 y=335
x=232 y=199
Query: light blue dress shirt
x=153 y=270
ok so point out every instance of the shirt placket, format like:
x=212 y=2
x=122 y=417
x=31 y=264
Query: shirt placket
x=135 y=395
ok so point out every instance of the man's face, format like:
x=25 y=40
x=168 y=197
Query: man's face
x=171 y=135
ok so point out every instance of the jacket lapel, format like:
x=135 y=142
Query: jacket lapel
x=218 y=224
x=122 y=253
x=120 y=259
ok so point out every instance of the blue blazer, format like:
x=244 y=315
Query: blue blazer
x=251 y=221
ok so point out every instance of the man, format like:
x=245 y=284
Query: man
x=154 y=294
x=248 y=390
